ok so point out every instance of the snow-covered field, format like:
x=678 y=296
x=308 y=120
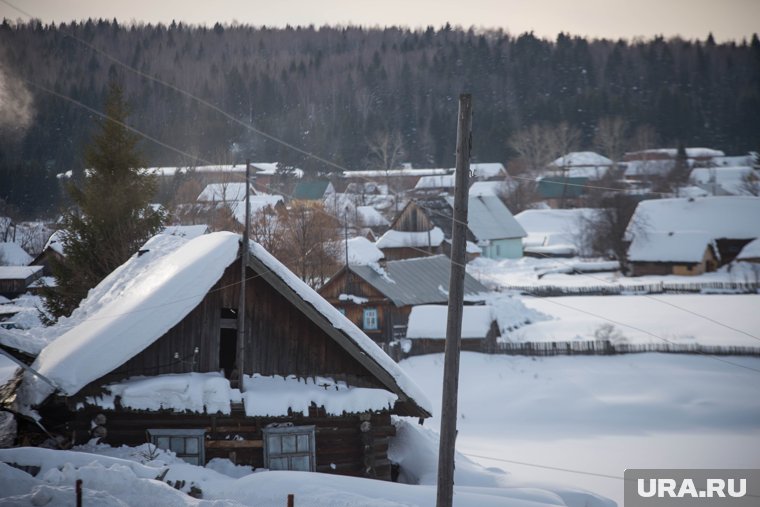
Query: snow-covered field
x=683 y=319
x=536 y=272
x=601 y=415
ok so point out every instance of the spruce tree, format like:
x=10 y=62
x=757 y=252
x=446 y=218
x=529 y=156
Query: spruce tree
x=111 y=215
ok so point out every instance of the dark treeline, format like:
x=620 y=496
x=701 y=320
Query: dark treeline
x=335 y=91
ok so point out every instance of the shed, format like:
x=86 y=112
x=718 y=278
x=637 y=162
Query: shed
x=426 y=331
x=684 y=253
x=15 y=280
x=152 y=354
x=495 y=230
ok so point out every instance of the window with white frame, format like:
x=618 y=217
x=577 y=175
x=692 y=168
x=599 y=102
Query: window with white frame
x=370 y=318
x=187 y=444
x=289 y=448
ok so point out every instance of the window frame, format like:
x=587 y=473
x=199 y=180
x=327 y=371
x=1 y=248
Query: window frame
x=188 y=433
x=278 y=432
x=375 y=316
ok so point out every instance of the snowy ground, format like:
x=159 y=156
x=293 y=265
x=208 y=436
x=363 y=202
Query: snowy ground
x=601 y=415
x=529 y=271
x=126 y=477
x=684 y=319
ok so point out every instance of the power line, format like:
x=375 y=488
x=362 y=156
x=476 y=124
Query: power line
x=635 y=328
x=653 y=298
x=273 y=138
x=545 y=467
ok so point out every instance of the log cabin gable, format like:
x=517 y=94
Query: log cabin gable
x=413 y=218
x=280 y=340
x=346 y=281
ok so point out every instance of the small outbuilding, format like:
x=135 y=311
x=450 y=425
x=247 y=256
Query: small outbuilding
x=427 y=329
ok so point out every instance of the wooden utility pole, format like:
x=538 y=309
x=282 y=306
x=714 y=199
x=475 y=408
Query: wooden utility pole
x=244 y=246
x=445 y=496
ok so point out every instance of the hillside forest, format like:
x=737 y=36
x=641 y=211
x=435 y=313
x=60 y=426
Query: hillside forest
x=345 y=93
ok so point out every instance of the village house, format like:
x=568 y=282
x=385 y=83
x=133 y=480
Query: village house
x=683 y=253
x=15 y=280
x=554 y=232
x=676 y=230
x=426 y=332
x=379 y=297
x=424 y=227
x=581 y=164
x=155 y=354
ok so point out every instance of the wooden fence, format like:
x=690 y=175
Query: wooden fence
x=542 y=290
x=605 y=348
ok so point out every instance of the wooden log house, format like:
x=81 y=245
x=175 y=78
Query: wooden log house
x=378 y=299
x=158 y=362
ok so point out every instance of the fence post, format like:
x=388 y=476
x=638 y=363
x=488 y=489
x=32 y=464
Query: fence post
x=291 y=500
x=79 y=492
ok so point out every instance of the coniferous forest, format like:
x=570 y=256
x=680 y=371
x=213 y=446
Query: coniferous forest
x=334 y=91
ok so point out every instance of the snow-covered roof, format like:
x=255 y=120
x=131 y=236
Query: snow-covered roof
x=429 y=321
x=487 y=188
x=489 y=219
x=19 y=272
x=553 y=227
x=677 y=246
x=259 y=168
x=149 y=294
x=673 y=153
x=401 y=239
x=258 y=203
x=720 y=217
x=581 y=158
x=224 y=192
x=11 y=254
x=417 y=281
x=732 y=179
x=55 y=242
x=186 y=231
x=395 y=173
x=750 y=251
x=370 y=217
x=485 y=170
x=362 y=251
x=262 y=396
x=444 y=181
x=134 y=306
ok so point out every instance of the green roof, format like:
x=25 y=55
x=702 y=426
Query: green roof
x=559 y=187
x=312 y=190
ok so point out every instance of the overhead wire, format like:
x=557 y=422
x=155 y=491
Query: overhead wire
x=330 y=163
x=268 y=136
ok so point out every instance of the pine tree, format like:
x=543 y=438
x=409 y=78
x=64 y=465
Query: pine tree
x=111 y=216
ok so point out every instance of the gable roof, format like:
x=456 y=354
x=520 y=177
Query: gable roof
x=417 y=281
x=430 y=321
x=145 y=297
x=311 y=190
x=553 y=187
x=489 y=219
x=731 y=217
x=11 y=254
x=224 y=192
x=580 y=159
x=682 y=246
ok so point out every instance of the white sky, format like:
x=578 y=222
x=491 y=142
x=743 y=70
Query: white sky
x=726 y=19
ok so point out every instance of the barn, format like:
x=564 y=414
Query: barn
x=154 y=354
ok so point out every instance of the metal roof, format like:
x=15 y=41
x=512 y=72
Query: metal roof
x=419 y=281
x=489 y=218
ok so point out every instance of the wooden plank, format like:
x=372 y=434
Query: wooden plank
x=234 y=444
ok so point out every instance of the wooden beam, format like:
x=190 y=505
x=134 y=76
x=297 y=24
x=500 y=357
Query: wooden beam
x=234 y=444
